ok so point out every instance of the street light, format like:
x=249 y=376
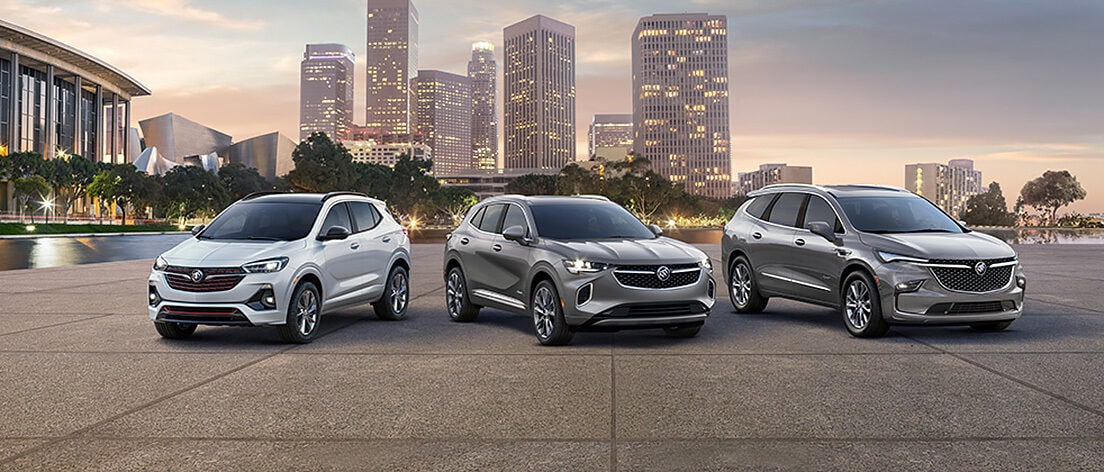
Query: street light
x=47 y=204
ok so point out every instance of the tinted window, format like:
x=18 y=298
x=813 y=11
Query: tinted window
x=820 y=210
x=490 y=219
x=338 y=216
x=514 y=217
x=758 y=205
x=909 y=214
x=364 y=215
x=785 y=209
x=478 y=217
x=596 y=220
x=264 y=221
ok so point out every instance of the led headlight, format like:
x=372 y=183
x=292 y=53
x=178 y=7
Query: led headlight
x=266 y=266
x=893 y=257
x=580 y=266
x=160 y=263
x=706 y=264
x=909 y=286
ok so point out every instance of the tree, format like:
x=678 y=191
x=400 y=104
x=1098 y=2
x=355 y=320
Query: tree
x=28 y=189
x=533 y=184
x=412 y=189
x=322 y=166
x=374 y=180
x=69 y=175
x=104 y=188
x=455 y=202
x=239 y=180
x=191 y=191
x=576 y=180
x=988 y=209
x=137 y=190
x=1051 y=192
x=644 y=195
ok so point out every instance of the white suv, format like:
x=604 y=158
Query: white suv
x=282 y=259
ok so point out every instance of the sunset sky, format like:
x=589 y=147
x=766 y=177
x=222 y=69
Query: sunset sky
x=856 y=89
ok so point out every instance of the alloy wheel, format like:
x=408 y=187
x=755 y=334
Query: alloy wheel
x=858 y=304
x=454 y=294
x=306 y=317
x=544 y=312
x=399 y=292
x=741 y=284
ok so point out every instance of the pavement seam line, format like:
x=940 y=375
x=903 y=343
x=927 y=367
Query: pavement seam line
x=83 y=319
x=613 y=407
x=1029 y=385
x=1096 y=312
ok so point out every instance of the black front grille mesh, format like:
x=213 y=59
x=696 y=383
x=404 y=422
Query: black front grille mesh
x=966 y=279
x=649 y=279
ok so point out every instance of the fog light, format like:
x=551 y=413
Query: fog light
x=268 y=299
x=1021 y=282
x=910 y=286
x=584 y=295
x=154 y=298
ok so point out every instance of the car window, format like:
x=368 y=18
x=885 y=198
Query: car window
x=266 y=221
x=587 y=220
x=477 y=217
x=904 y=214
x=514 y=217
x=490 y=218
x=365 y=216
x=819 y=209
x=785 y=209
x=338 y=216
x=759 y=204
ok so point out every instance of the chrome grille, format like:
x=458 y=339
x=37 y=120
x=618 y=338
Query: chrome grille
x=644 y=276
x=217 y=279
x=966 y=279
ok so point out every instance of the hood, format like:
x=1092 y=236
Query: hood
x=972 y=245
x=628 y=251
x=207 y=253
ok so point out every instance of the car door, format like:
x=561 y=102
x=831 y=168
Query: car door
x=375 y=248
x=478 y=265
x=511 y=261
x=342 y=262
x=775 y=235
x=817 y=262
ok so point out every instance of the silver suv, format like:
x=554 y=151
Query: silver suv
x=574 y=264
x=282 y=260
x=881 y=255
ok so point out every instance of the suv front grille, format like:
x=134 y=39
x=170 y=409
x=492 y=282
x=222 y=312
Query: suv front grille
x=644 y=276
x=218 y=279
x=966 y=279
x=966 y=308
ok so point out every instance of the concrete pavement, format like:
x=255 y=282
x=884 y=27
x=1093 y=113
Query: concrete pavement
x=88 y=384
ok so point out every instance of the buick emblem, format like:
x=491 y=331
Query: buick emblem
x=980 y=268
x=197 y=275
x=663 y=273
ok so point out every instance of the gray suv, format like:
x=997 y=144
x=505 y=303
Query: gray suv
x=574 y=264
x=881 y=255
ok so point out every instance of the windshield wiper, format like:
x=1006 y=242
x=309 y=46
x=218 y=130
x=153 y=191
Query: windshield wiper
x=928 y=230
x=262 y=238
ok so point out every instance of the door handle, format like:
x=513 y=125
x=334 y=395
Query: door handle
x=463 y=240
x=355 y=246
x=497 y=247
x=387 y=239
x=799 y=242
x=843 y=252
x=757 y=235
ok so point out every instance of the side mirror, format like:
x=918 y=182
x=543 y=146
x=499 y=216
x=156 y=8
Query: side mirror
x=516 y=234
x=335 y=232
x=197 y=229
x=822 y=229
x=962 y=223
x=656 y=230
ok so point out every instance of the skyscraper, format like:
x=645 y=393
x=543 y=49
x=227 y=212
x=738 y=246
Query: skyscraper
x=610 y=136
x=948 y=185
x=484 y=117
x=539 y=90
x=680 y=100
x=392 y=60
x=443 y=114
x=326 y=90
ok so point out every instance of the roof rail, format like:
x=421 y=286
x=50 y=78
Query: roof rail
x=870 y=186
x=335 y=194
x=596 y=197
x=261 y=194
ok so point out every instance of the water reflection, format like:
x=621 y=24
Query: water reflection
x=1046 y=235
x=54 y=252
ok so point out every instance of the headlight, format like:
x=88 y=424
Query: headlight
x=706 y=264
x=893 y=257
x=266 y=266
x=580 y=266
x=160 y=263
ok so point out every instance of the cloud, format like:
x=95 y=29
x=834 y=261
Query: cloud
x=182 y=9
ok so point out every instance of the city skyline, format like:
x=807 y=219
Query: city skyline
x=835 y=85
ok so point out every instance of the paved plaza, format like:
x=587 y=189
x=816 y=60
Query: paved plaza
x=88 y=385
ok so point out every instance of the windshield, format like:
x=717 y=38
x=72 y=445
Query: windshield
x=897 y=215
x=587 y=221
x=263 y=221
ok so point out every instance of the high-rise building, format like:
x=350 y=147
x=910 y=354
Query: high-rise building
x=368 y=151
x=680 y=100
x=326 y=90
x=539 y=94
x=392 y=61
x=610 y=136
x=443 y=119
x=947 y=185
x=770 y=174
x=484 y=116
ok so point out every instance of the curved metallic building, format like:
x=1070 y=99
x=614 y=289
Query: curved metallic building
x=53 y=96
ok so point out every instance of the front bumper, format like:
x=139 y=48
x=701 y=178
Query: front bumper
x=612 y=306
x=934 y=304
x=238 y=306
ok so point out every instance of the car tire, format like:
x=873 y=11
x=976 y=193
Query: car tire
x=861 y=307
x=992 y=326
x=396 y=296
x=457 y=302
x=548 y=318
x=743 y=290
x=303 y=316
x=171 y=330
x=682 y=331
